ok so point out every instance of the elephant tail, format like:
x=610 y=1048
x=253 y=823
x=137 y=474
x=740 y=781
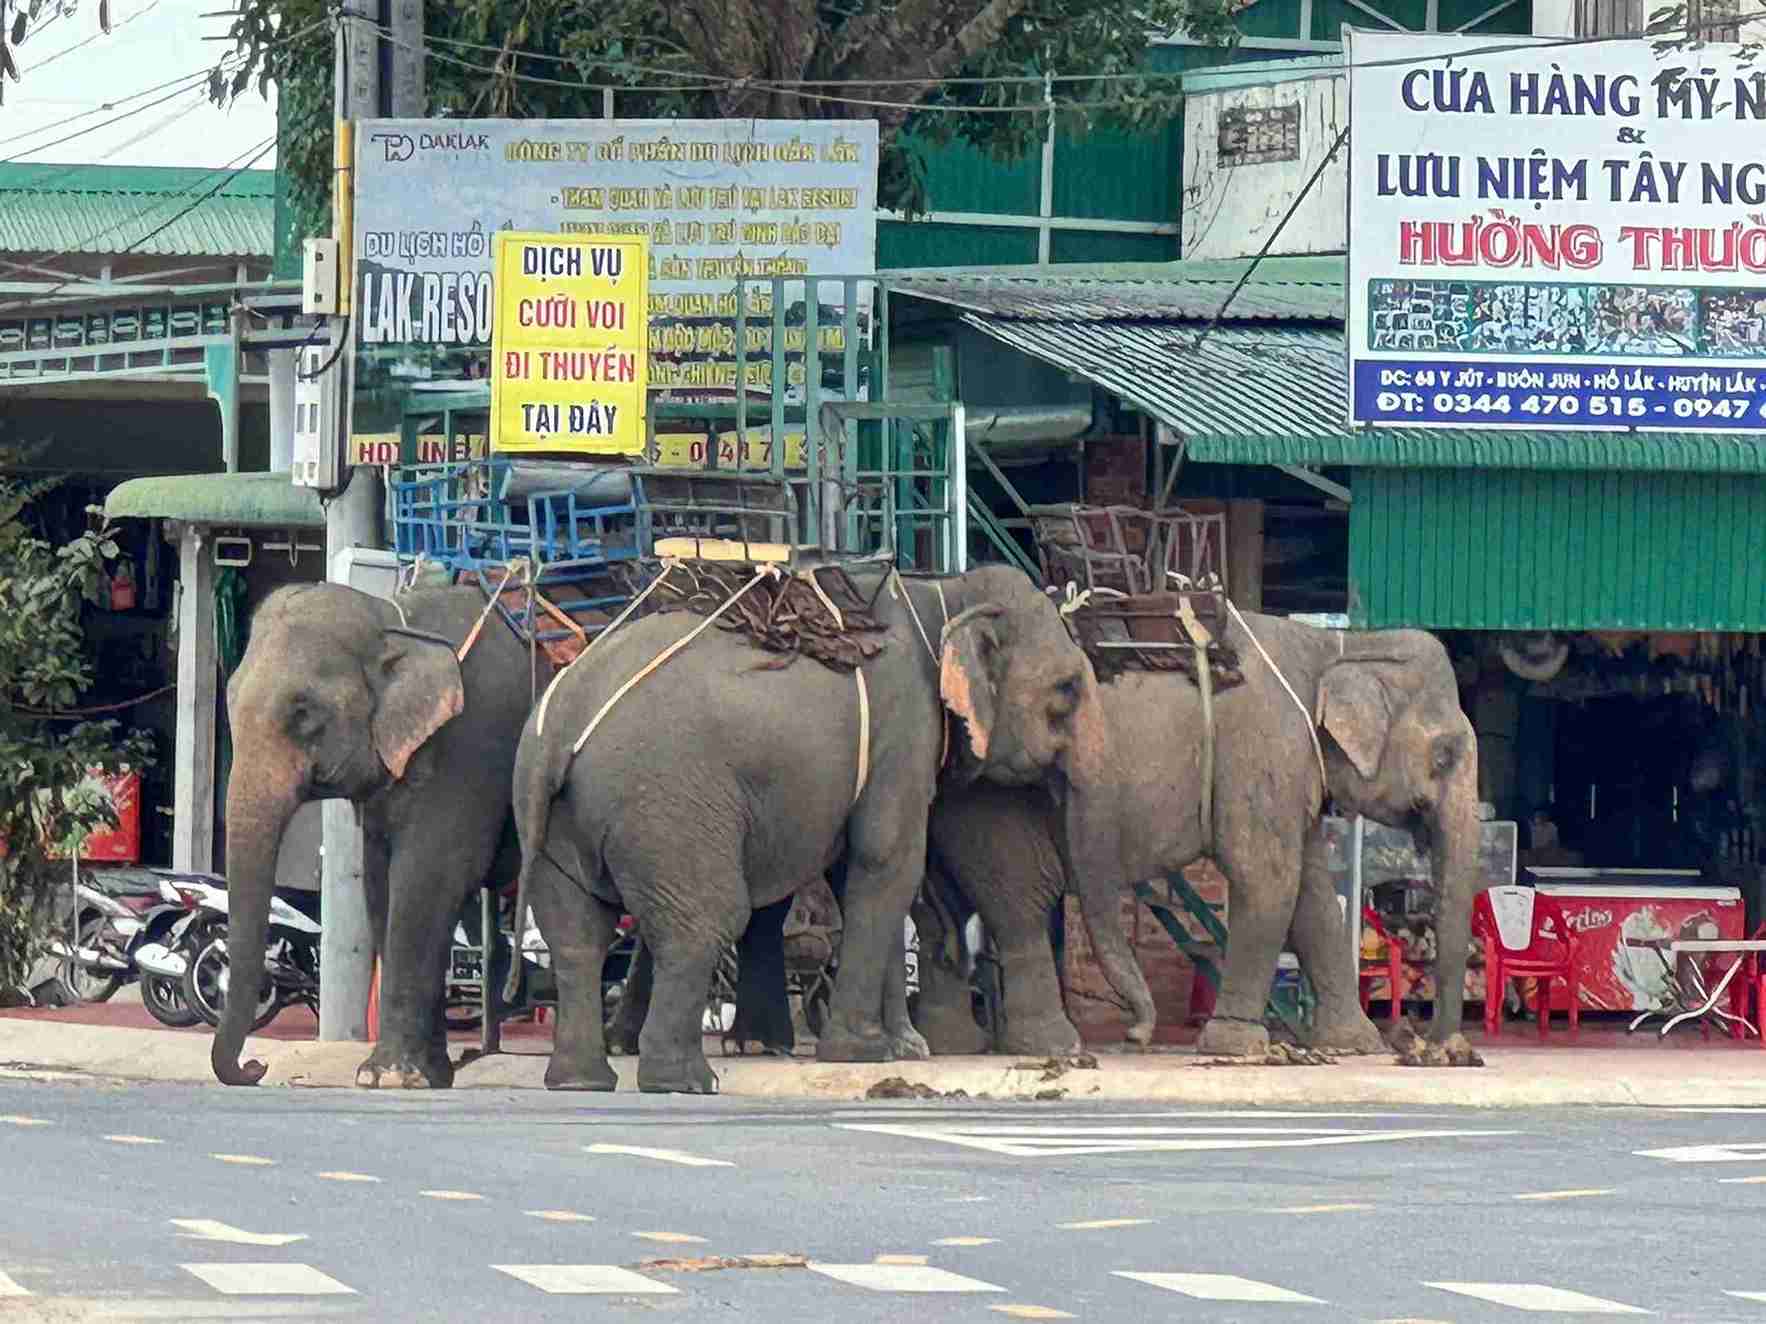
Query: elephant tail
x=541 y=768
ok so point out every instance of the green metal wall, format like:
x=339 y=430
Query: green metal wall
x=1499 y=549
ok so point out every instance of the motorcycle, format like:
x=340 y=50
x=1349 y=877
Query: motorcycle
x=118 y=914
x=291 y=959
x=163 y=962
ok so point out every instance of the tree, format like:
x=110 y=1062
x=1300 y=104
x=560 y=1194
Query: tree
x=46 y=753
x=737 y=58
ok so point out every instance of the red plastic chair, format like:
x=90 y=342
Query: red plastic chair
x=1550 y=954
x=1391 y=965
x=1747 y=991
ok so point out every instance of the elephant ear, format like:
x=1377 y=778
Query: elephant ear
x=965 y=676
x=417 y=691
x=1356 y=712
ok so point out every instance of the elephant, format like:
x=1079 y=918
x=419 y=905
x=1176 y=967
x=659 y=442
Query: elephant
x=713 y=782
x=341 y=695
x=1393 y=745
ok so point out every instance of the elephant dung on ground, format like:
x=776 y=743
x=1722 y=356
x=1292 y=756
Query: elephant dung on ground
x=341 y=695
x=721 y=781
x=1394 y=745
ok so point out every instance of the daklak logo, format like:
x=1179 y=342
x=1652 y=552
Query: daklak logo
x=398 y=146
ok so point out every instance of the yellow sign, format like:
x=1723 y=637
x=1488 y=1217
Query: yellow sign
x=382 y=448
x=569 y=361
x=687 y=450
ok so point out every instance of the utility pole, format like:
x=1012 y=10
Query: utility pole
x=353 y=517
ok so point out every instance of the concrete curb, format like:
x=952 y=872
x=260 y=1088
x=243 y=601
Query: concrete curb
x=1513 y=1078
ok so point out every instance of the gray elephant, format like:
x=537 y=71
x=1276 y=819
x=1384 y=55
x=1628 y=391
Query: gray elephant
x=1394 y=746
x=720 y=782
x=345 y=696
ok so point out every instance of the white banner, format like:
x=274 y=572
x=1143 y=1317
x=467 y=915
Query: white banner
x=1555 y=236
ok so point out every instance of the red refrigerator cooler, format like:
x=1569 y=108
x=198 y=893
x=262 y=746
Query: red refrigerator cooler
x=1605 y=907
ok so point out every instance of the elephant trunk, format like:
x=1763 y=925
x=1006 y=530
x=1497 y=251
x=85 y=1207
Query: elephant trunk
x=260 y=802
x=1455 y=833
x=1092 y=859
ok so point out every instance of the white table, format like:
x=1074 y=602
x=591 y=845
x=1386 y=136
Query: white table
x=1694 y=1000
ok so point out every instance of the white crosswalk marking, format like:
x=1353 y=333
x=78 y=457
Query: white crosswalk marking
x=268 y=1280
x=9 y=1287
x=664 y=1155
x=1220 y=1287
x=1538 y=1297
x=902 y=1278
x=1064 y=1141
x=585 y=1279
x=1740 y=1296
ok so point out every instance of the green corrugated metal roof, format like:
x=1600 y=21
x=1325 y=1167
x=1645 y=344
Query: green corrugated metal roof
x=1258 y=394
x=1261 y=73
x=1493 y=549
x=269 y=501
x=110 y=209
x=1327 y=269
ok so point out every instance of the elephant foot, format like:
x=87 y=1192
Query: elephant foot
x=391 y=1070
x=1346 y=1035
x=689 y=1075
x=1233 y=1038
x=835 y=1047
x=1049 y=1036
x=1455 y=1051
x=909 y=1045
x=592 y=1076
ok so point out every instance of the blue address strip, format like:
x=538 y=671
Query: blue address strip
x=1559 y=395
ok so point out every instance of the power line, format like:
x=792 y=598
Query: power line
x=48 y=60
x=186 y=85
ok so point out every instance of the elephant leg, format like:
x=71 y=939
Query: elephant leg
x=763 y=1010
x=578 y=930
x=429 y=872
x=1321 y=940
x=904 y=1040
x=1262 y=865
x=634 y=1002
x=686 y=942
x=885 y=859
x=1033 y=1017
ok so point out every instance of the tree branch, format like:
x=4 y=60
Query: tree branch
x=930 y=40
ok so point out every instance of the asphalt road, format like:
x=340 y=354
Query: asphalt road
x=169 y=1202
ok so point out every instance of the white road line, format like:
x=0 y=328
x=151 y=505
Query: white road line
x=1748 y=1296
x=671 y=1238
x=1220 y=1287
x=1321 y=1209
x=664 y=1155
x=1094 y=1224
x=899 y=1259
x=1740 y=1181
x=10 y=1287
x=452 y=1195
x=207 y=1229
x=1030 y=1312
x=133 y=1140
x=1071 y=1141
x=1538 y=1297
x=967 y=1241
x=249 y=1160
x=16 y=1120
x=1561 y=1195
x=584 y=1279
x=559 y=1215
x=902 y=1278
x=1746 y=1152
x=347 y=1176
x=268 y=1280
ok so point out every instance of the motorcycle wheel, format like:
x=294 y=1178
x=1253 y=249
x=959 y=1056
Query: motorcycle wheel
x=205 y=987
x=89 y=985
x=163 y=996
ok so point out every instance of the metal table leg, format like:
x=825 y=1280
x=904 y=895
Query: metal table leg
x=1709 y=1006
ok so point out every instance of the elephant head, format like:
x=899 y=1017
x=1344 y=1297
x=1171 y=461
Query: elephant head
x=331 y=701
x=1028 y=698
x=1399 y=750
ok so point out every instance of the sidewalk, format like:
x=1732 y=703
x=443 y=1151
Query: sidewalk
x=1604 y=1068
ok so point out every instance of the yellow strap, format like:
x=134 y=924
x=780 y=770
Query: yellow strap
x=864 y=734
x=809 y=577
x=478 y=626
x=900 y=590
x=1311 y=722
x=619 y=620
x=764 y=572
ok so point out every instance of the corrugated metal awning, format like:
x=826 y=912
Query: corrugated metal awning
x=1278 y=395
x=269 y=501
x=146 y=210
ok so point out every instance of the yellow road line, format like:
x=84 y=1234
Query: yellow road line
x=1561 y=1195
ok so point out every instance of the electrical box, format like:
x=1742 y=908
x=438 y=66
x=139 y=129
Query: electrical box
x=318 y=277
x=372 y=570
x=318 y=416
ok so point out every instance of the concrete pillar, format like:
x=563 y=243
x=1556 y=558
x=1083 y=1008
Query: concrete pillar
x=221 y=365
x=1244 y=554
x=193 y=794
x=282 y=366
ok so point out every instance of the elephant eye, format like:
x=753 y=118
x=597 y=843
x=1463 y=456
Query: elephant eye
x=1066 y=697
